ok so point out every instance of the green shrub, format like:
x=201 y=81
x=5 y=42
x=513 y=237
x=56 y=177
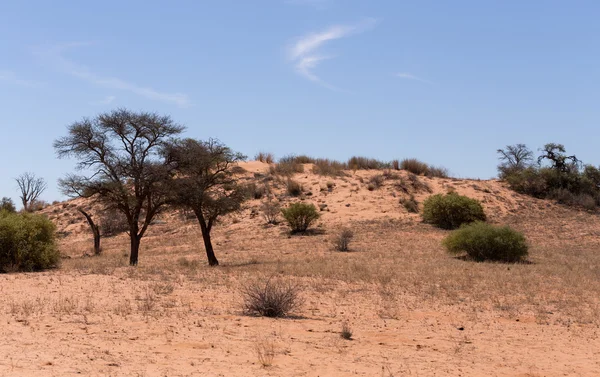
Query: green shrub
x=300 y=215
x=451 y=210
x=482 y=241
x=27 y=242
x=6 y=204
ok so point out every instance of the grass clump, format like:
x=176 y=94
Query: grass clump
x=332 y=168
x=486 y=242
x=265 y=157
x=271 y=298
x=364 y=163
x=414 y=166
x=450 y=211
x=293 y=187
x=27 y=242
x=300 y=216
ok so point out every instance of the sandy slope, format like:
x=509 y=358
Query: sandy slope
x=413 y=310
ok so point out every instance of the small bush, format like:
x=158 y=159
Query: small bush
x=396 y=165
x=265 y=157
x=437 y=171
x=414 y=166
x=323 y=166
x=364 y=163
x=410 y=204
x=287 y=165
x=271 y=298
x=452 y=210
x=482 y=241
x=346 y=332
x=300 y=216
x=6 y=204
x=293 y=188
x=271 y=211
x=254 y=191
x=112 y=223
x=27 y=242
x=342 y=241
x=376 y=181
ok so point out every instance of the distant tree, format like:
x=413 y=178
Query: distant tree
x=95 y=230
x=514 y=158
x=30 y=187
x=6 y=204
x=121 y=152
x=206 y=183
x=559 y=160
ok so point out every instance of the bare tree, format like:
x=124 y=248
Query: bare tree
x=514 y=158
x=95 y=230
x=31 y=187
x=206 y=183
x=121 y=152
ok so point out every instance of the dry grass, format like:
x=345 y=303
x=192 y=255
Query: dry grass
x=265 y=157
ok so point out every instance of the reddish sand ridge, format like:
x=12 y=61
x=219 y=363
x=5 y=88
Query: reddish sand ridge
x=413 y=309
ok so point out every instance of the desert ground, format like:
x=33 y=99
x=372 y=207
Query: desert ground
x=412 y=308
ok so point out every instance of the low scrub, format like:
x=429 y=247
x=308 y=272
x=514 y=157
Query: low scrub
x=300 y=216
x=410 y=204
x=331 y=168
x=485 y=242
x=342 y=241
x=271 y=298
x=364 y=163
x=287 y=165
x=265 y=157
x=414 y=166
x=293 y=187
x=27 y=242
x=450 y=211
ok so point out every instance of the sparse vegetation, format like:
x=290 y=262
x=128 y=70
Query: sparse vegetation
x=414 y=166
x=482 y=241
x=346 y=332
x=342 y=240
x=323 y=166
x=557 y=175
x=452 y=210
x=271 y=298
x=364 y=163
x=27 y=242
x=410 y=204
x=293 y=187
x=271 y=210
x=265 y=157
x=300 y=216
x=375 y=182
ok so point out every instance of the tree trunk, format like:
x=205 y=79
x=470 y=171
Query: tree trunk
x=210 y=253
x=135 y=248
x=95 y=231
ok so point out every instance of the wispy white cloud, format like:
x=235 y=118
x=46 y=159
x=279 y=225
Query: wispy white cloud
x=106 y=101
x=408 y=76
x=304 y=52
x=12 y=78
x=54 y=55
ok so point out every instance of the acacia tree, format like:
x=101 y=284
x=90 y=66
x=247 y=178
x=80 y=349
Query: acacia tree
x=206 y=183
x=121 y=154
x=514 y=158
x=30 y=187
x=559 y=160
x=95 y=230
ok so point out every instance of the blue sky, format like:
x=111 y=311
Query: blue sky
x=446 y=82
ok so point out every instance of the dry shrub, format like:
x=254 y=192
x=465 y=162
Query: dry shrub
x=342 y=241
x=254 y=191
x=271 y=298
x=364 y=163
x=238 y=170
x=293 y=187
x=346 y=332
x=411 y=204
x=396 y=165
x=437 y=171
x=375 y=182
x=304 y=159
x=332 y=168
x=414 y=166
x=265 y=157
x=271 y=210
x=112 y=223
x=288 y=166
x=482 y=241
x=265 y=352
